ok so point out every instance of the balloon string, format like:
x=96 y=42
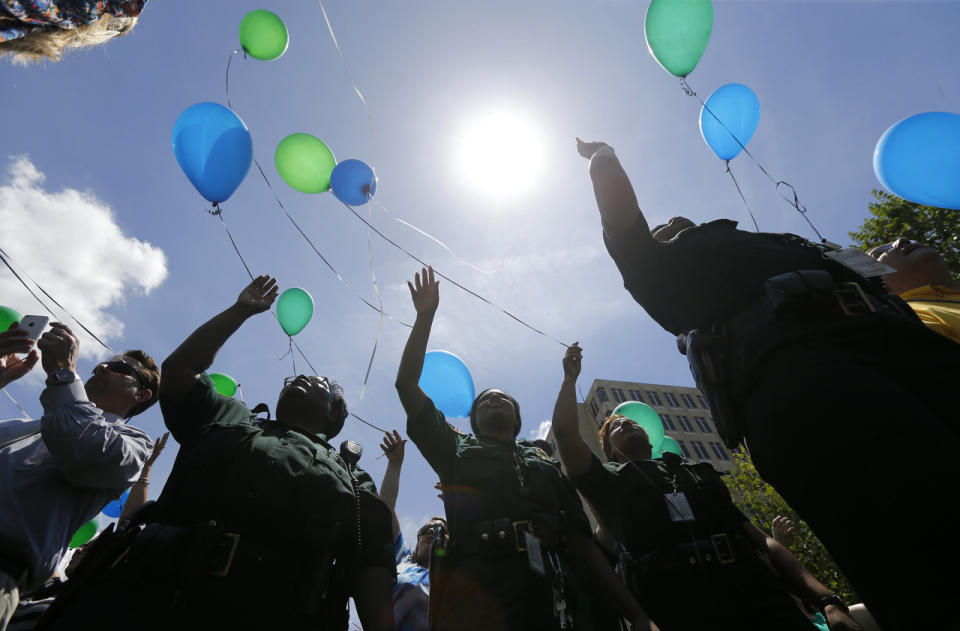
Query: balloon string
x=434 y=239
x=226 y=80
x=219 y=213
x=8 y=262
x=795 y=202
x=368 y=423
x=455 y=283
x=22 y=411
x=376 y=290
x=735 y=183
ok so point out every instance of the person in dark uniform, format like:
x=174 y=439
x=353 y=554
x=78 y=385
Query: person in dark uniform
x=261 y=524
x=828 y=379
x=520 y=547
x=687 y=553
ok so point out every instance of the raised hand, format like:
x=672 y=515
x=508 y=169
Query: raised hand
x=425 y=292
x=782 y=530
x=157 y=449
x=59 y=348
x=258 y=295
x=393 y=446
x=571 y=361
x=12 y=342
x=587 y=149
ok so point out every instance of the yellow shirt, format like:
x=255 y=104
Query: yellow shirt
x=938 y=307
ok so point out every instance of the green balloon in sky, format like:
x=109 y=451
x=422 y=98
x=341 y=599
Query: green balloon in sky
x=305 y=163
x=7 y=317
x=85 y=533
x=677 y=33
x=647 y=418
x=225 y=384
x=263 y=35
x=294 y=310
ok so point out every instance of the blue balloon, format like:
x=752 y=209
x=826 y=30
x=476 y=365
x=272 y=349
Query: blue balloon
x=115 y=508
x=353 y=182
x=448 y=382
x=214 y=149
x=739 y=109
x=918 y=159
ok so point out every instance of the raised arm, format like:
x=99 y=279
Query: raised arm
x=574 y=452
x=616 y=199
x=426 y=298
x=392 y=448
x=140 y=489
x=197 y=352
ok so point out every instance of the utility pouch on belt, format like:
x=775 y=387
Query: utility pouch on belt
x=706 y=354
x=794 y=293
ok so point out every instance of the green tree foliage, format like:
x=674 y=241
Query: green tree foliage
x=893 y=217
x=760 y=503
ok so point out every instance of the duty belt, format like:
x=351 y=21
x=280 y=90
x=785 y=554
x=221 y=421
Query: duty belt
x=495 y=536
x=717 y=550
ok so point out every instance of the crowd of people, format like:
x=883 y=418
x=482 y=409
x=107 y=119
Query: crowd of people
x=264 y=523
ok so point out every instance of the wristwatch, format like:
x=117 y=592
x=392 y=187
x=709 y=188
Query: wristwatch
x=832 y=599
x=63 y=376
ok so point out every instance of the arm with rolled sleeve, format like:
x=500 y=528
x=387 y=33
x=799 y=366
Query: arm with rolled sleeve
x=89 y=450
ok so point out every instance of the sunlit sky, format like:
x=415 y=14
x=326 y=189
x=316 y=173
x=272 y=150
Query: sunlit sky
x=444 y=83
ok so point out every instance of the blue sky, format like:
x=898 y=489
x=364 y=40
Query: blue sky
x=830 y=76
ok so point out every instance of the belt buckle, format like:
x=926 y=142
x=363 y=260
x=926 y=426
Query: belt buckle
x=860 y=299
x=723 y=549
x=234 y=541
x=520 y=527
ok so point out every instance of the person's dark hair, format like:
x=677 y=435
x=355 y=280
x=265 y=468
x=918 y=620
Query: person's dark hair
x=338 y=408
x=473 y=413
x=605 y=434
x=149 y=378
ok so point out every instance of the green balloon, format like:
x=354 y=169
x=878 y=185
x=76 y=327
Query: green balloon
x=677 y=33
x=294 y=310
x=85 y=533
x=669 y=445
x=7 y=317
x=225 y=384
x=263 y=35
x=305 y=163
x=647 y=418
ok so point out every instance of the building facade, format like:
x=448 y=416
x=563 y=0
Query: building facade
x=683 y=410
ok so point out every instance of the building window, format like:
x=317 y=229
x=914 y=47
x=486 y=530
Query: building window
x=685 y=423
x=700 y=449
x=702 y=424
x=683 y=448
x=654 y=399
x=667 y=423
x=602 y=395
x=618 y=395
x=594 y=408
x=688 y=401
x=703 y=402
x=718 y=449
x=635 y=395
x=672 y=400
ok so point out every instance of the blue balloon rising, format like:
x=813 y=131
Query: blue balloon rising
x=739 y=110
x=214 y=149
x=353 y=182
x=115 y=508
x=448 y=382
x=918 y=159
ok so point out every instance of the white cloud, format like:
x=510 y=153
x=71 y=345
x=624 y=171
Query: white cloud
x=69 y=243
x=541 y=432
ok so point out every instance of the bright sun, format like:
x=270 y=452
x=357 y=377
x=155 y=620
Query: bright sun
x=501 y=153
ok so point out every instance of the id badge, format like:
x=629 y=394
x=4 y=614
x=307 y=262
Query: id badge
x=534 y=554
x=860 y=262
x=678 y=506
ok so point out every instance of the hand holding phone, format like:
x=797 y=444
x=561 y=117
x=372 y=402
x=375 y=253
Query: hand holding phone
x=33 y=325
x=13 y=343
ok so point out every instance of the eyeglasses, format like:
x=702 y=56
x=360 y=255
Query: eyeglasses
x=314 y=379
x=120 y=367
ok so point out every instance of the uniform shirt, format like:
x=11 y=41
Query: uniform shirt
x=53 y=482
x=938 y=308
x=411 y=593
x=266 y=480
x=704 y=274
x=20 y=17
x=629 y=499
x=481 y=484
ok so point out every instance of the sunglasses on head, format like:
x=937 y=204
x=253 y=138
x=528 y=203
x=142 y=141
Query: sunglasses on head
x=429 y=528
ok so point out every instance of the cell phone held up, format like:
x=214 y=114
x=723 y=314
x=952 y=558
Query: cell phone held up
x=33 y=325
